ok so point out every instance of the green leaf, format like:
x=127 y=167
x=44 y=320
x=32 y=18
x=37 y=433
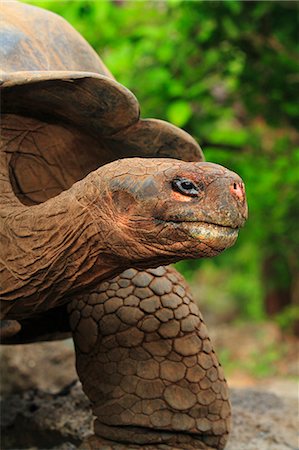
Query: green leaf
x=179 y=113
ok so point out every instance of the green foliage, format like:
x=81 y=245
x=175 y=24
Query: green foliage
x=288 y=318
x=256 y=350
x=179 y=112
x=227 y=72
x=254 y=364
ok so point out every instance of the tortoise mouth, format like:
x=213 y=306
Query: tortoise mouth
x=216 y=235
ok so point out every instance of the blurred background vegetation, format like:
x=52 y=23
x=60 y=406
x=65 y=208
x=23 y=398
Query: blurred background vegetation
x=228 y=73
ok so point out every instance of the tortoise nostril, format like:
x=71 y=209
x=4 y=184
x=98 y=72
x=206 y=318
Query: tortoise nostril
x=238 y=190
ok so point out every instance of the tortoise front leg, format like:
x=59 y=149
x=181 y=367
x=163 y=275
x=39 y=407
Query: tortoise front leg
x=146 y=363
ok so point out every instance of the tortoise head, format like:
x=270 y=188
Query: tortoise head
x=166 y=209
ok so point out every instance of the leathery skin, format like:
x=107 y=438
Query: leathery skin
x=146 y=363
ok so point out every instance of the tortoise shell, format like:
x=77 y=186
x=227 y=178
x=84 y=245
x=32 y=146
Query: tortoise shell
x=64 y=115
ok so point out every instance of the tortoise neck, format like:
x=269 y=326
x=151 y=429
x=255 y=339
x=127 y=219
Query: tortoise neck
x=53 y=249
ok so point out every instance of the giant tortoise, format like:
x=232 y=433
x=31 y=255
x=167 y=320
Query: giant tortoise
x=94 y=203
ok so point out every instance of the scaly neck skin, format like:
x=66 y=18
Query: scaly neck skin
x=52 y=249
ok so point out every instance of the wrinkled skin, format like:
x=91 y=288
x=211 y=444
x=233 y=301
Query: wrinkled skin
x=143 y=354
x=125 y=214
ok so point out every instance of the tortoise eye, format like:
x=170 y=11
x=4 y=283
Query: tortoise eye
x=185 y=186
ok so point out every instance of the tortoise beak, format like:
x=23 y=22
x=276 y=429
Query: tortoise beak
x=215 y=235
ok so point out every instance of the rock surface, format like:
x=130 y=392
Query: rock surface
x=39 y=412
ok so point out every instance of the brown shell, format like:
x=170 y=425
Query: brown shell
x=72 y=115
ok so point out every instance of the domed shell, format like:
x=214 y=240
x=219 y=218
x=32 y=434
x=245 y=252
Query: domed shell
x=64 y=114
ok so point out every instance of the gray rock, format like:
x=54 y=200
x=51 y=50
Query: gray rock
x=35 y=417
x=263 y=421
